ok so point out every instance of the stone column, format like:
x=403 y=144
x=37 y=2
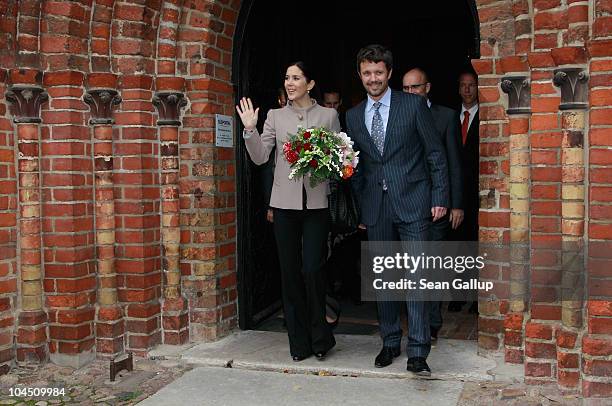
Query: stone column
x=26 y=97
x=169 y=100
x=110 y=326
x=518 y=90
x=574 y=89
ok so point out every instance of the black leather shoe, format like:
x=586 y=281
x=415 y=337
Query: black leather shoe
x=321 y=355
x=385 y=356
x=298 y=358
x=418 y=366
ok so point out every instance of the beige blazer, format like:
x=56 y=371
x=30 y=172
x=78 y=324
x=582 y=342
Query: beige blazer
x=286 y=193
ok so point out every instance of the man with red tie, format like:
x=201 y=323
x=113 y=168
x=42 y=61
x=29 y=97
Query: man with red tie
x=468 y=118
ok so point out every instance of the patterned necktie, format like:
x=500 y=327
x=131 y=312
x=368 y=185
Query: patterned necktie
x=378 y=128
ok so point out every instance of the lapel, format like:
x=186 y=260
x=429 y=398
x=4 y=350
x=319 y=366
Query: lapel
x=393 y=112
x=434 y=111
x=364 y=130
x=474 y=131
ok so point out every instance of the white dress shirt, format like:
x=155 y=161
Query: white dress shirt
x=472 y=110
x=385 y=101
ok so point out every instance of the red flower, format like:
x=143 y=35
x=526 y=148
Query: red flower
x=292 y=157
x=306 y=135
x=286 y=147
x=313 y=163
x=307 y=146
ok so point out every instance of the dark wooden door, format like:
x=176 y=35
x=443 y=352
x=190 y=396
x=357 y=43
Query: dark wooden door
x=258 y=269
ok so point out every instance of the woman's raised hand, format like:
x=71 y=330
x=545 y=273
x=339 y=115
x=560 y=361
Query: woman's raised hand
x=247 y=114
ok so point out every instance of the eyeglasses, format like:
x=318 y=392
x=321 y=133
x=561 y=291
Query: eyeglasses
x=413 y=87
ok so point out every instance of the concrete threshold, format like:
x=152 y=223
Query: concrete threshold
x=353 y=356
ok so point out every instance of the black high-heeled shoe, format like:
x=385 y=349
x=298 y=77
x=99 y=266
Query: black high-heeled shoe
x=332 y=309
x=321 y=355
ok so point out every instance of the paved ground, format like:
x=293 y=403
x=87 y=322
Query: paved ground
x=90 y=385
x=262 y=373
x=300 y=389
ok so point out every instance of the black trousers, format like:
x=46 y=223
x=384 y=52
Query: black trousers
x=301 y=240
x=439 y=232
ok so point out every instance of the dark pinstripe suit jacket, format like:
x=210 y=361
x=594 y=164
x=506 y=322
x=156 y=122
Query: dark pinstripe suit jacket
x=413 y=164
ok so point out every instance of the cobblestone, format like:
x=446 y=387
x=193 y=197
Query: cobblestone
x=90 y=385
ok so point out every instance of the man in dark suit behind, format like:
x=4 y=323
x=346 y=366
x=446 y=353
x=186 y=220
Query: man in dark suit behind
x=446 y=120
x=470 y=156
x=401 y=183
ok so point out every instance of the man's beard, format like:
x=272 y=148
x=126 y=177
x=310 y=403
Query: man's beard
x=379 y=90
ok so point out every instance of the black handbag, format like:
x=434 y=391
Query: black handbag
x=343 y=208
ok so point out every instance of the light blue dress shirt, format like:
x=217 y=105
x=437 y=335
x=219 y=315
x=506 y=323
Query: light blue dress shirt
x=383 y=109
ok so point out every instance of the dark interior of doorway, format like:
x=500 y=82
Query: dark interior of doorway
x=437 y=35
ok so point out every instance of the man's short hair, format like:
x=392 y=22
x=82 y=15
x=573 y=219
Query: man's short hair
x=468 y=71
x=375 y=53
x=332 y=91
x=421 y=70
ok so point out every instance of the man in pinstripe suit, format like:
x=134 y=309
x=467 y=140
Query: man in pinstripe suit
x=401 y=183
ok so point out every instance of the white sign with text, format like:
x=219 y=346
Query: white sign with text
x=224 y=131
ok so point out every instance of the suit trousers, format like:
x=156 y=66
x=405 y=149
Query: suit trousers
x=390 y=227
x=439 y=232
x=301 y=240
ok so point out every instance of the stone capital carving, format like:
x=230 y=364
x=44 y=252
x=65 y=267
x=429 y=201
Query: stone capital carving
x=574 y=87
x=101 y=102
x=169 y=106
x=25 y=102
x=519 y=94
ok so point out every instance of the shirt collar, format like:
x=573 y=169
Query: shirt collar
x=385 y=100
x=472 y=110
x=428 y=103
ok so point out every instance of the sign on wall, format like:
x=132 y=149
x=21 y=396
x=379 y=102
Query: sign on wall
x=224 y=131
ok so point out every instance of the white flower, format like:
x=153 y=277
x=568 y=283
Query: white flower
x=346 y=140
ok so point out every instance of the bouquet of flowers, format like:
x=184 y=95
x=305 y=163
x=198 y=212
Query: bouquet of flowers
x=321 y=153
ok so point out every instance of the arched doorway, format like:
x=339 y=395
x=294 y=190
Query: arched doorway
x=437 y=35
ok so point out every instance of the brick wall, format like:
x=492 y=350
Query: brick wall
x=118 y=213
x=555 y=320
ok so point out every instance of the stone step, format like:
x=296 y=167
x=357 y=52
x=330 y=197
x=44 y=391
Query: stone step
x=450 y=360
